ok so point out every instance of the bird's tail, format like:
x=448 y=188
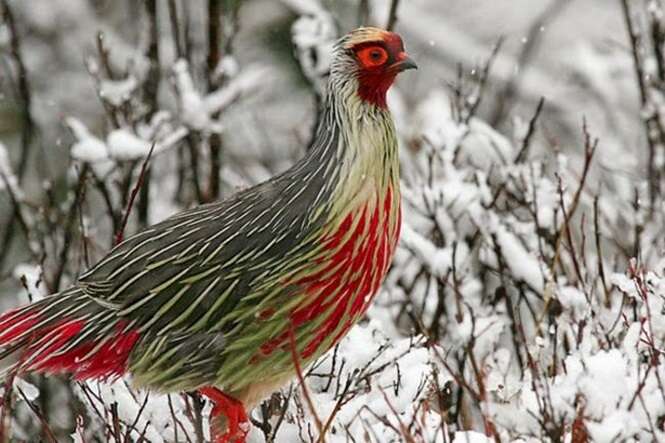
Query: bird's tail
x=66 y=333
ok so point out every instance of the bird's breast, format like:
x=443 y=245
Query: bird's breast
x=355 y=256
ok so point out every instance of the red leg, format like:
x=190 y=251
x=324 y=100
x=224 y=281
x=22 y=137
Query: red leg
x=224 y=406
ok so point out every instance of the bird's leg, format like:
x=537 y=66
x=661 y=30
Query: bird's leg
x=228 y=419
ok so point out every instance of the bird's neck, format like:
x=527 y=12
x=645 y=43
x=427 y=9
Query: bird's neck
x=357 y=140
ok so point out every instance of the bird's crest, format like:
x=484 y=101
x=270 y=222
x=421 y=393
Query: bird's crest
x=368 y=34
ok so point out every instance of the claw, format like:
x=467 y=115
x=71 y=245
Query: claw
x=228 y=419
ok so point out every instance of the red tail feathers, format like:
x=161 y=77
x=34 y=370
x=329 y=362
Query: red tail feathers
x=55 y=347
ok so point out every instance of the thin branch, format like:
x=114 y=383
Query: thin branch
x=655 y=133
x=27 y=127
x=215 y=32
x=526 y=142
x=363 y=12
x=151 y=93
x=599 y=252
x=303 y=385
x=175 y=29
x=151 y=84
x=506 y=97
x=46 y=429
x=392 y=15
x=120 y=234
x=70 y=223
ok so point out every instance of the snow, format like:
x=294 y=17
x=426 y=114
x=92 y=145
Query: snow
x=120 y=145
x=32 y=276
x=471 y=437
x=438 y=260
x=433 y=121
x=87 y=147
x=6 y=174
x=365 y=350
x=487 y=294
x=607 y=370
x=573 y=300
x=193 y=112
x=250 y=80
x=523 y=264
x=118 y=92
x=624 y=283
x=314 y=34
x=29 y=390
x=306 y=7
x=156 y=417
x=196 y=110
x=90 y=149
x=228 y=66
x=124 y=145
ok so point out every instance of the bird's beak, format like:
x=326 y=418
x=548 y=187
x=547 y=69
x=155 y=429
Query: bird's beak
x=404 y=62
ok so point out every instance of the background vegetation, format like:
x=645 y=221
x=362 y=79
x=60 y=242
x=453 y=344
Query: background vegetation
x=527 y=298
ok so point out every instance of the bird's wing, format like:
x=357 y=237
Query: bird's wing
x=191 y=271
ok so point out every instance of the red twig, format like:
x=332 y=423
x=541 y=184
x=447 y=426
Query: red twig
x=301 y=380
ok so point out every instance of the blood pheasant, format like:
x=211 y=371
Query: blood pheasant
x=219 y=298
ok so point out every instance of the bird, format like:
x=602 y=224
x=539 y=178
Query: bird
x=227 y=299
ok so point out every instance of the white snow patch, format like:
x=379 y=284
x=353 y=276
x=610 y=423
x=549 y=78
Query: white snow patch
x=193 y=111
x=624 y=283
x=32 y=276
x=604 y=384
x=6 y=174
x=522 y=264
x=87 y=148
x=471 y=437
x=118 y=92
x=249 y=80
x=31 y=392
x=573 y=300
x=124 y=145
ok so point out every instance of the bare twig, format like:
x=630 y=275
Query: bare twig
x=363 y=12
x=46 y=429
x=151 y=84
x=590 y=146
x=526 y=142
x=655 y=133
x=303 y=386
x=392 y=15
x=599 y=252
x=120 y=233
x=70 y=223
x=150 y=92
x=27 y=127
x=175 y=29
x=506 y=97
x=215 y=32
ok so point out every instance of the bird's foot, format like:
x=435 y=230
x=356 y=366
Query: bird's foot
x=228 y=419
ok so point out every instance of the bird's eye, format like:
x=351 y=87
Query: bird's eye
x=372 y=56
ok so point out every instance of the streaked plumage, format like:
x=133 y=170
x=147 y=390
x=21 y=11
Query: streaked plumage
x=209 y=296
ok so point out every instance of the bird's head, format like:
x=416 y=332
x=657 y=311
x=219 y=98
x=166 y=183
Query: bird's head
x=370 y=59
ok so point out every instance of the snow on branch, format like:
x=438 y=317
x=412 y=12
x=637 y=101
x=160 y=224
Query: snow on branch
x=196 y=110
x=314 y=35
x=7 y=177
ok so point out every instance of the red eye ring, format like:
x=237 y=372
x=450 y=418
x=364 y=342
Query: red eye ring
x=372 y=56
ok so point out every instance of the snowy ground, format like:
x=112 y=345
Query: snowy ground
x=526 y=302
